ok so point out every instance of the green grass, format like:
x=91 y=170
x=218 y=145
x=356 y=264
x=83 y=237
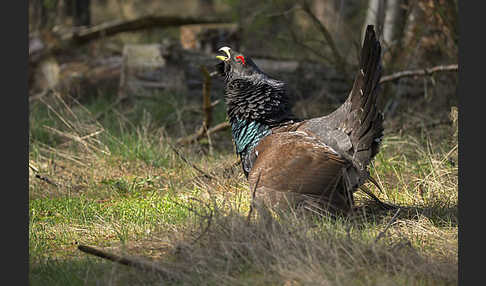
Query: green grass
x=120 y=187
x=129 y=213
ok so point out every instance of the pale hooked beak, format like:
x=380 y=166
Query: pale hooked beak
x=226 y=50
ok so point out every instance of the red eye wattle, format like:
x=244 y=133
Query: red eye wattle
x=241 y=58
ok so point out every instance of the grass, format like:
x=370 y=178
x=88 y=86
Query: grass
x=121 y=188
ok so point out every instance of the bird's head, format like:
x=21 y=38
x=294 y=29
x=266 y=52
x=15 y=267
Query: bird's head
x=235 y=64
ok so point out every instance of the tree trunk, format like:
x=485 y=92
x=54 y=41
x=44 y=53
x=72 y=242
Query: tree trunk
x=393 y=23
x=68 y=7
x=61 y=13
x=374 y=16
x=82 y=13
x=44 y=15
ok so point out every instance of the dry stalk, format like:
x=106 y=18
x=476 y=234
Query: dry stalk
x=253 y=194
x=209 y=217
x=383 y=205
x=206 y=175
x=395 y=216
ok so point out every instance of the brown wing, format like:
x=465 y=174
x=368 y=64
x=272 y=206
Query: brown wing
x=297 y=163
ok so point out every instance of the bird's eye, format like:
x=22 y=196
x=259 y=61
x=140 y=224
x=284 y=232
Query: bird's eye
x=240 y=59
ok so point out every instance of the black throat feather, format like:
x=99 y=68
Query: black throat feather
x=255 y=105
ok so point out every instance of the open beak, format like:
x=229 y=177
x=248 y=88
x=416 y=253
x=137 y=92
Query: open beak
x=226 y=50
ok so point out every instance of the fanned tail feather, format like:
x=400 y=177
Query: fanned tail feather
x=364 y=121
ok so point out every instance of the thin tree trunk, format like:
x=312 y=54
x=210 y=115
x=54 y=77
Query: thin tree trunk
x=82 y=13
x=43 y=16
x=393 y=23
x=61 y=12
x=374 y=16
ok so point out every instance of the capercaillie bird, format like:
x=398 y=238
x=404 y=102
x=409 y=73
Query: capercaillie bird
x=323 y=159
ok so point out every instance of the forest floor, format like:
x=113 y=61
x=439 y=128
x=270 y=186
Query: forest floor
x=108 y=177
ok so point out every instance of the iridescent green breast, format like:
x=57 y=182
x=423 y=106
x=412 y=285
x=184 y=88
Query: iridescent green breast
x=247 y=134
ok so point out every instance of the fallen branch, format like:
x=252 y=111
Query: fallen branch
x=139 y=264
x=80 y=36
x=419 y=72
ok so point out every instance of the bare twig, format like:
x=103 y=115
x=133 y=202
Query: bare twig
x=39 y=95
x=371 y=179
x=395 y=216
x=118 y=100
x=40 y=177
x=284 y=13
x=206 y=229
x=33 y=167
x=340 y=63
x=419 y=72
x=214 y=103
x=207 y=107
x=375 y=198
x=136 y=263
x=206 y=175
x=236 y=163
x=299 y=42
x=219 y=127
x=192 y=138
x=208 y=217
x=200 y=133
x=45 y=179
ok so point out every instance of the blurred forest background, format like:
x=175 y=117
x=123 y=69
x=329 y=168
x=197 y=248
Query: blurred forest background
x=96 y=48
